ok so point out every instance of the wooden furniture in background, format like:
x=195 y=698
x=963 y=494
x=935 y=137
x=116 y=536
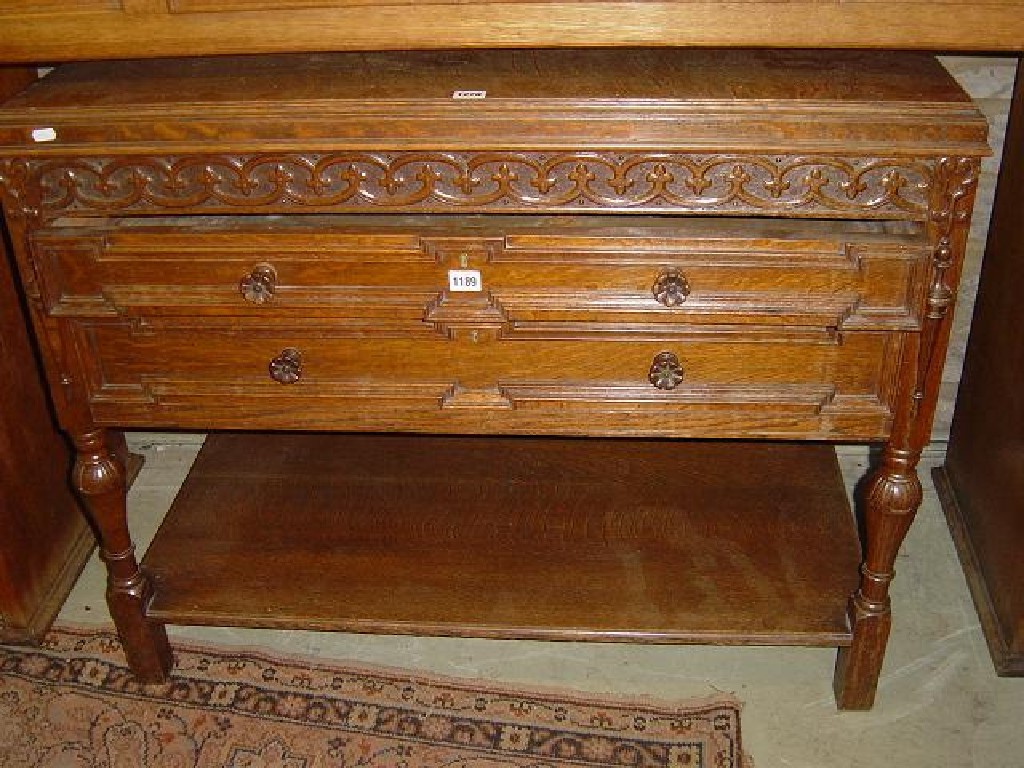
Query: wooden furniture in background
x=60 y=30
x=981 y=483
x=770 y=251
x=44 y=538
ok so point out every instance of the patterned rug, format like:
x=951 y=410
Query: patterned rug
x=72 y=703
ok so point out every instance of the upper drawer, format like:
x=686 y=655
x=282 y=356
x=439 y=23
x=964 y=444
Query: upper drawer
x=393 y=273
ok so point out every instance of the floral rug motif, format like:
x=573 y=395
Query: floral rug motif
x=73 y=704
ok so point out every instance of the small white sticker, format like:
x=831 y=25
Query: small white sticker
x=465 y=280
x=469 y=95
x=44 y=134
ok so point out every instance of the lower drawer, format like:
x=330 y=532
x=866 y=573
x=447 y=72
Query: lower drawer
x=799 y=383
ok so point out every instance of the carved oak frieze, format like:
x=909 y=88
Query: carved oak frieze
x=477 y=181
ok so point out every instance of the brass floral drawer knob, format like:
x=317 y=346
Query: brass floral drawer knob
x=666 y=371
x=287 y=366
x=258 y=286
x=671 y=287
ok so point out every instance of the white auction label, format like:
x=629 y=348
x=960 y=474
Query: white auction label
x=469 y=95
x=44 y=134
x=465 y=280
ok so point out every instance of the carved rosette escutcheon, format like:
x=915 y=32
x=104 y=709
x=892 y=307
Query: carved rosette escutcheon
x=666 y=371
x=259 y=285
x=286 y=368
x=671 y=287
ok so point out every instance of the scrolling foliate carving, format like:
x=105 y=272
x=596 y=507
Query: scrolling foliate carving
x=20 y=197
x=486 y=181
x=955 y=183
x=19 y=188
x=957 y=179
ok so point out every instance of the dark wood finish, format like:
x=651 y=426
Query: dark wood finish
x=52 y=30
x=882 y=150
x=982 y=480
x=100 y=478
x=44 y=538
x=542 y=538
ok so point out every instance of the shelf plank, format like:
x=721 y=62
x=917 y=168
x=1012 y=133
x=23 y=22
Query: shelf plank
x=552 y=538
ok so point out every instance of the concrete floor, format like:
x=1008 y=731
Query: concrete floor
x=939 y=702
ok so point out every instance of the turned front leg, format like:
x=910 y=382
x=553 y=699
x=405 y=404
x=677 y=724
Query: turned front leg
x=99 y=477
x=892 y=496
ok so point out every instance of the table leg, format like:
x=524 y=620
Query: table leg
x=99 y=477
x=892 y=496
x=893 y=492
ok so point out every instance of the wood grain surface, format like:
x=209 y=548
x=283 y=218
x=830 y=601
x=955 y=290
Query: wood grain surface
x=779 y=102
x=643 y=541
x=44 y=30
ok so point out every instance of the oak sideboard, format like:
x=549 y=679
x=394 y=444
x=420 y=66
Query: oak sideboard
x=538 y=343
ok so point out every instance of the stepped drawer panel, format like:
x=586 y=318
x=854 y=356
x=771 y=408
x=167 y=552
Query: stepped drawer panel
x=711 y=381
x=397 y=273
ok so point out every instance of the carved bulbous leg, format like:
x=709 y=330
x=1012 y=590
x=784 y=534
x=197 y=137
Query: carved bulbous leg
x=892 y=496
x=118 y=447
x=99 y=477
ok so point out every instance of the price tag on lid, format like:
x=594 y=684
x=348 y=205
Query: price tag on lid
x=44 y=134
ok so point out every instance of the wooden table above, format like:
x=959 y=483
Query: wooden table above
x=57 y=30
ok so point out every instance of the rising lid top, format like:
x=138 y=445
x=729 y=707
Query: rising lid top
x=501 y=99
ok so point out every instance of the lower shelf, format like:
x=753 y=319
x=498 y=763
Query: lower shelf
x=571 y=539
